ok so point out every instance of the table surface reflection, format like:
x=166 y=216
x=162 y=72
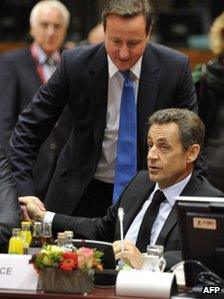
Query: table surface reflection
x=98 y=293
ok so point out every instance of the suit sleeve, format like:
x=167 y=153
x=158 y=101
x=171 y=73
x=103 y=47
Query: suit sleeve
x=185 y=91
x=33 y=127
x=88 y=228
x=172 y=258
x=187 y=98
x=9 y=207
x=8 y=100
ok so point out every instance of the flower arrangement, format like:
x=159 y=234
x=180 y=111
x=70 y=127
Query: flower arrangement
x=52 y=256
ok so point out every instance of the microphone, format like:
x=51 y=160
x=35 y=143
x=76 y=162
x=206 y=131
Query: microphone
x=120 y=214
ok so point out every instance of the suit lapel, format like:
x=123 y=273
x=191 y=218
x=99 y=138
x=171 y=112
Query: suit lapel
x=171 y=221
x=192 y=186
x=134 y=209
x=97 y=82
x=168 y=225
x=135 y=200
x=147 y=94
x=32 y=66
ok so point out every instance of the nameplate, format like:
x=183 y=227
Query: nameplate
x=16 y=273
x=140 y=283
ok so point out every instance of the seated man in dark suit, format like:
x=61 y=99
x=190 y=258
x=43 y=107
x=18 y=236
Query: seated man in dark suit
x=9 y=206
x=175 y=138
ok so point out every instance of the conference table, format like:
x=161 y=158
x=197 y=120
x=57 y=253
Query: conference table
x=107 y=292
x=98 y=293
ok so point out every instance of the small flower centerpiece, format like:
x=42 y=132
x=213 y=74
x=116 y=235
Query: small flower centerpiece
x=63 y=271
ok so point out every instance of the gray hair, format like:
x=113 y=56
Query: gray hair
x=191 y=127
x=217 y=36
x=129 y=9
x=52 y=4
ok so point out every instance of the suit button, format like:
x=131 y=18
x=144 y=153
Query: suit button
x=53 y=146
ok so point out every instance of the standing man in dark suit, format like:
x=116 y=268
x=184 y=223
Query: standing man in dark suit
x=175 y=138
x=21 y=74
x=91 y=82
x=10 y=216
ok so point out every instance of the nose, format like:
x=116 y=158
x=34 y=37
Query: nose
x=124 y=51
x=51 y=29
x=152 y=153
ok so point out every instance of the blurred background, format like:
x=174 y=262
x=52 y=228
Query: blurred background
x=182 y=24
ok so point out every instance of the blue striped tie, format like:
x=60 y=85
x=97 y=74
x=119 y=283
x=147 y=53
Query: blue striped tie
x=126 y=158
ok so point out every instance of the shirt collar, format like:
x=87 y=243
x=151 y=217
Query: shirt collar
x=174 y=190
x=42 y=57
x=135 y=70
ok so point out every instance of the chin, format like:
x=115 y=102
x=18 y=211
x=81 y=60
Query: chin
x=50 y=50
x=123 y=66
x=153 y=178
x=123 y=69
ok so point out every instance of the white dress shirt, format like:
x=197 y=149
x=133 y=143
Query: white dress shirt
x=48 y=70
x=164 y=210
x=106 y=166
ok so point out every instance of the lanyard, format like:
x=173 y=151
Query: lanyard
x=39 y=67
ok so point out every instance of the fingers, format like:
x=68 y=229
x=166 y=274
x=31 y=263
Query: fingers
x=32 y=200
x=131 y=254
x=26 y=199
x=116 y=247
x=132 y=258
x=33 y=207
x=128 y=245
x=39 y=203
x=25 y=215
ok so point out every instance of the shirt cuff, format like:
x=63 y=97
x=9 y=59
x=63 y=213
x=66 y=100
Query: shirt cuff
x=49 y=216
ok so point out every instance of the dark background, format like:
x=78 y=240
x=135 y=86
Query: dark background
x=14 y=18
x=174 y=20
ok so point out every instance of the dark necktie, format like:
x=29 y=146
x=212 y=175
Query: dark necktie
x=150 y=215
x=50 y=61
x=126 y=157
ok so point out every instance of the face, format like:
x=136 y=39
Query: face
x=125 y=40
x=49 y=30
x=168 y=163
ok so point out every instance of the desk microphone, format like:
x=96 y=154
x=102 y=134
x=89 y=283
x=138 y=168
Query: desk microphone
x=120 y=214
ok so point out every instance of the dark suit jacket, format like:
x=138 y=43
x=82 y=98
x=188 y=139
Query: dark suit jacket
x=9 y=207
x=81 y=80
x=132 y=200
x=19 y=81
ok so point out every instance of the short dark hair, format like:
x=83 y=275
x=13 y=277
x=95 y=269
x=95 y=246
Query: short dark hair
x=191 y=127
x=129 y=9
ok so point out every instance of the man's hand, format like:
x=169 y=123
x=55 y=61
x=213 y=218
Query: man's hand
x=132 y=256
x=32 y=208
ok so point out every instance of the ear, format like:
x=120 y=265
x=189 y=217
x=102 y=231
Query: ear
x=192 y=153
